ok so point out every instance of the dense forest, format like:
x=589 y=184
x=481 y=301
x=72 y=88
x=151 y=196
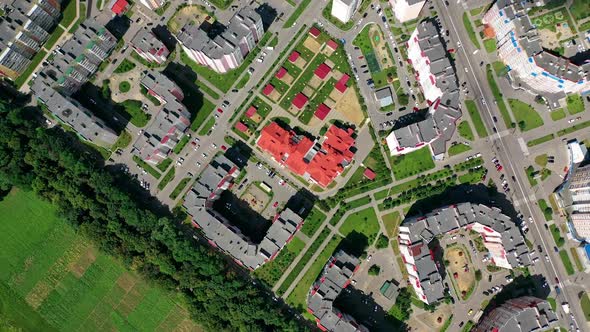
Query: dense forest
x=102 y=205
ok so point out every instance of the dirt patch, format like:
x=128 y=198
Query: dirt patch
x=83 y=263
x=39 y=293
x=188 y=325
x=275 y=95
x=308 y=90
x=312 y=44
x=330 y=103
x=436 y=319
x=350 y=108
x=195 y=14
x=315 y=122
x=300 y=62
x=256 y=198
x=460 y=269
x=551 y=39
x=315 y=83
x=129 y=302
x=288 y=79
x=126 y=281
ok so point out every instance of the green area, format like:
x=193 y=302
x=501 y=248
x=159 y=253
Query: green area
x=181 y=144
x=221 y=4
x=567 y=263
x=327 y=14
x=540 y=140
x=551 y=20
x=54 y=37
x=123 y=141
x=147 y=167
x=458 y=148
x=470 y=31
x=273 y=42
x=468 y=326
x=577 y=260
x=525 y=115
x=546 y=209
x=166 y=179
x=498 y=97
x=19 y=81
x=68 y=14
x=559 y=240
x=179 y=188
x=243 y=81
x=585 y=303
x=391 y=221
x=574 y=128
x=575 y=104
x=374 y=270
x=298 y=11
x=476 y=118
x=205 y=110
x=490 y=45
x=80 y=19
x=358 y=202
x=125 y=66
x=380 y=76
x=465 y=130
x=132 y=111
x=364 y=222
x=164 y=164
x=412 y=163
x=580 y=9
x=55 y=279
x=382 y=242
x=207 y=126
x=499 y=68
x=541 y=160
x=312 y=222
x=558 y=114
x=530 y=174
x=124 y=86
x=206 y=89
x=272 y=271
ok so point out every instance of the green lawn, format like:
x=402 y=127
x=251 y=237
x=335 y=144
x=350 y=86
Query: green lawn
x=207 y=126
x=559 y=240
x=313 y=221
x=181 y=144
x=470 y=31
x=124 y=86
x=272 y=271
x=476 y=118
x=125 y=66
x=525 y=115
x=574 y=128
x=54 y=279
x=458 y=149
x=54 y=37
x=123 y=141
x=164 y=164
x=298 y=11
x=577 y=260
x=391 y=221
x=499 y=68
x=179 y=188
x=148 y=168
x=541 y=160
x=540 y=140
x=80 y=19
x=132 y=111
x=557 y=114
x=567 y=263
x=465 y=130
x=585 y=303
x=19 y=81
x=206 y=109
x=575 y=104
x=547 y=211
x=69 y=14
x=166 y=179
x=364 y=222
x=499 y=98
x=580 y=9
x=412 y=163
x=490 y=45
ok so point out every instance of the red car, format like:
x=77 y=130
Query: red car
x=499 y=167
x=361 y=57
x=275 y=204
x=223 y=148
x=219 y=110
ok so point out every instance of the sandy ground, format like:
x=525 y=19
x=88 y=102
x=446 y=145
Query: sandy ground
x=275 y=95
x=350 y=108
x=256 y=118
x=300 y=62
x=431 y=320
x=308 y=90
x=458 y=259
x=312 y=44
x=256 y=198
x=315 y=83
x=550 y=39
x=287 y=79
x=186 y=15
x=330 y=102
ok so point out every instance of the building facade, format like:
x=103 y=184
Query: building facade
x=171 y=120
x=573 y=197
x=524 y=314
x=227 y=50
x=69 y=112
x=149 y=47
x=528 y=65
x=343 y=10
x=406 y=10
x=24 y=28
x=500 y=235
x=80 y=57
x=438 y=81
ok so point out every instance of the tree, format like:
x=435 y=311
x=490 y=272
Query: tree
x=478 y=275
x=382 y=242
x=374 y=270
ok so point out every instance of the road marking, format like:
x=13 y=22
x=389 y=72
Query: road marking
x=523 y=146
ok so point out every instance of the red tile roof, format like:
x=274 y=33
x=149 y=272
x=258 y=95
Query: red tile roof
x=322 y=111
x=322 y=70
x=241 y=127
x=251 y=111
x=268 y=89
x=120 y=7
x=282 y=71
x=332 y=44
x=323 y=167
x=294 y=56
x=300 y=100
x=314 y=32
x=369 y=174
x=341 y=84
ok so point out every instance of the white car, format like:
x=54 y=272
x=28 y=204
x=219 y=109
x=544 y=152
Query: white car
x=198 y=164
x=531 y=220
x=369 y=258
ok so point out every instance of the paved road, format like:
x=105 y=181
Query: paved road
x=507 y=150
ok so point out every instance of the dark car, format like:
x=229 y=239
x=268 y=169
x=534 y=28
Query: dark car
x=388 y=114
x=495 y=118
x=490 y=278
x=461 y=324
x=495 y=130
x=555 y=249
x=364 y=15
x=540 y=248
x=546 y=227
x=384 y=19
x=485 y=293
x=366 y=71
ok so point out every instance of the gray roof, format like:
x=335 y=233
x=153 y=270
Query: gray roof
x=522 y=314
x=214 y=179
x=69 y=112
x=423 y=229
x=146 y=41
x=384 y=96
x=335 y=277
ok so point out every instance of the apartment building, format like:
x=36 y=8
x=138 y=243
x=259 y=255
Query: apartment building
x=524 y=314
x=227 y=50
x=170 y=122
x=343 y=10
x=217 y=177
x=24 y=27
x=80 y=57
x=406 y=10
x=149 y=47
x=69 y=112
x=335 y=277
x=500 y=235
x=573 y=197
x=529 y=65
x=153 y=4
x=318 y=161
x=438 y=81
